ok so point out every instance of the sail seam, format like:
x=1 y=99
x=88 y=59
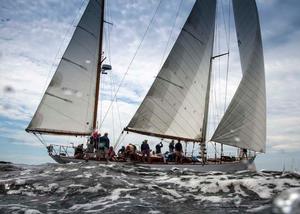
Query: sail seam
x=84 y=29
x=168 y=81
x=74 y=63
x=191 y=34
x=60 y=98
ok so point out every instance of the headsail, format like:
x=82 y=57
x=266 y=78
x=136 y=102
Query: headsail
x=175 y=104
x=67 y=106
x=244 y=122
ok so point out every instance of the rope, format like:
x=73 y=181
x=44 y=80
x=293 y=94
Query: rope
x=135 y=54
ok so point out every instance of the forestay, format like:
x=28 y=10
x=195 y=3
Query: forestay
x=175 y=104
x=244 y=122
x=67 y=106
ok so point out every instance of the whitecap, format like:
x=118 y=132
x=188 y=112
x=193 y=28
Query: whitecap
x=32 y=211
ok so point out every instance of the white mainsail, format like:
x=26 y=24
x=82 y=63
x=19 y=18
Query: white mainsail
x=68 y=104
x=244 y=122
x=175 y=105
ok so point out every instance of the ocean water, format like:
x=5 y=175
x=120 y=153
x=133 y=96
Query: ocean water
x=111 y=188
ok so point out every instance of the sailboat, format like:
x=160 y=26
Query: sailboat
x=177 y=104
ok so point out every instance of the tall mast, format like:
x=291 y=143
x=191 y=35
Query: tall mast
x=99 y=64
x=205 y=118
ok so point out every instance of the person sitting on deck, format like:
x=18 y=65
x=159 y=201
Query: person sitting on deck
x=145 y=149
x=121 y=152
x=111 y=154
x=130 y=152
x=171 y=147
x=178 y=152
x=78 y=151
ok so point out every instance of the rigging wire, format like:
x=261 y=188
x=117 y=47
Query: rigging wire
x=112 y=109
x=40 y=139
x=228 y=48
x=219 y=63
x=224 y=22
x=134 y=55
x=117 y=106
x=120 y=140
x=172 y=30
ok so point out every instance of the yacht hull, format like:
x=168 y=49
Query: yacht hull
x=198 y=167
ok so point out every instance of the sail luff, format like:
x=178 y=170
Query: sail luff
x=175 y=103
x=244 y=122
x=99 y=65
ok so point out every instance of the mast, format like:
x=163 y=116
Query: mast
x=99 y=65
x=205 y=119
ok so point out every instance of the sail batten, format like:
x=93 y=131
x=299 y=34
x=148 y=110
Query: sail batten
x=68 y=104
x=175 y=104
x=244 y=122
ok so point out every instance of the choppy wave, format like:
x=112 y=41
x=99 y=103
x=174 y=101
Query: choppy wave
x=98 y=188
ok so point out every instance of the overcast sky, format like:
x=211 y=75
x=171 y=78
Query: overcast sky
x=34 y=34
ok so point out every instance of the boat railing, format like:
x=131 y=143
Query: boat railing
x=62 y=150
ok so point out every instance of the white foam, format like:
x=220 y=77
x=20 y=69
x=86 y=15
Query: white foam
x=154 y=212
x=87 y=175
x=258 y=209
x=89 y=167
x=32 y=211
x=20 y=181
x=171 y=192
x=93 y=189
x=115 y=195
x=213 y=184
x=48 y=188
x=30 y=194
x=14 y=192
x=72 y=170
x=76 y=185
x=107 y=206
x=60 y=169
